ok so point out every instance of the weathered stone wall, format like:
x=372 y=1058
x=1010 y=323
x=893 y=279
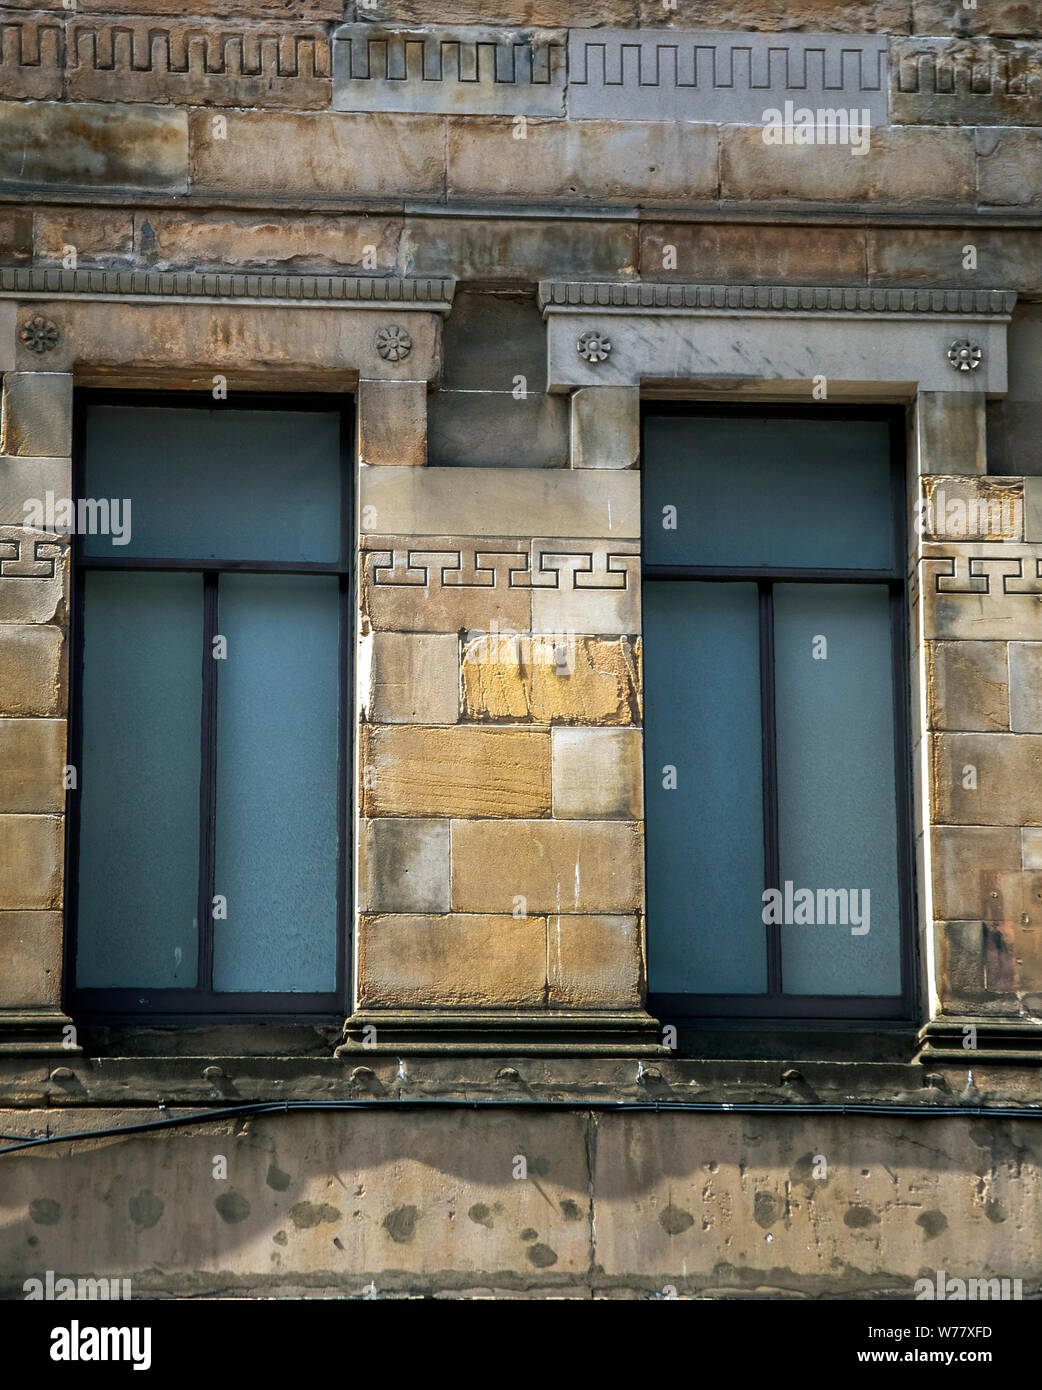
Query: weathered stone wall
x=437 y=1201
x=428 y=167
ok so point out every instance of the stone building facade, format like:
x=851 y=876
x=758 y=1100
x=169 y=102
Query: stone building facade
x=501 y=243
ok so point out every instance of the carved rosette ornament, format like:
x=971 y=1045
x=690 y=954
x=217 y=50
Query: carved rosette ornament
x=392 y=343
x=40 y=334
x=965 y=356
x=593 y=347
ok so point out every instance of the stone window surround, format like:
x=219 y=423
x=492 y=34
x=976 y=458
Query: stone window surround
x=608 y=343
x=870 y=345
x=377 y=337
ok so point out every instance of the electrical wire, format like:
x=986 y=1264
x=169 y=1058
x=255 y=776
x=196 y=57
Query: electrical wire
x=886 y=1110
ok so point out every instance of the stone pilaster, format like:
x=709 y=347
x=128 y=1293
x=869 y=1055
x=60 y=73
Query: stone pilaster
x=978 y=624
x=500 y=864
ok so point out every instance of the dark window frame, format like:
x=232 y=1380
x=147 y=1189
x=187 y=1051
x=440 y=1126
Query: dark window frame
x=775 y=1007
x=202 y=1004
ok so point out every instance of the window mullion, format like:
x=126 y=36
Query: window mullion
x=768 y=728
x=208 y=784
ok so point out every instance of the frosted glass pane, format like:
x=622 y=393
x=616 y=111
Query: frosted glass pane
x=836 y=788
x=276 y=847
x=705 y=838
x=218 y=484
x=761 y=491
x=139 y=784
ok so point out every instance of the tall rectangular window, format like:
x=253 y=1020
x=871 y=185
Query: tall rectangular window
x=207 y=841
x=773 y=598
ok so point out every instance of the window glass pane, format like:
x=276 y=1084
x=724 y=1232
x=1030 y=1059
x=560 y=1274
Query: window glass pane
x=218 y=484
x=760 y=491
x=836 y=788
x=276 y=845
x=139 y=781
x=705 y=838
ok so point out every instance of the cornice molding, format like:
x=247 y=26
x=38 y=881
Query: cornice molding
x=431 y=293
x=636 y=296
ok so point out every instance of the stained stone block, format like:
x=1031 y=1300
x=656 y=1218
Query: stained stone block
x=1033 y=509
x=100 y=236
x=965 y=82
x=28 y=480
x=410 y=678
x=752 y=254
x=974 y=872
x=71 y=146
x=605 y=427
x=30 y=959
x=37 y=416
x=441 y=584
x=479 y=961
x=392 y=422
x=489 y=502
x=594 y=962
x=32 y=759
x=456 y=71
x=580 y=587
x=410 y=771
x=403 y=866
x=517 y=248
x=32 y=667
x=981 y=591
x=496 y=429
x=223 y=241
x=1031 y=847
x=960 y=509
x=31 y=58
x=1025 y=687
x=1012 y=18
x=193 y=62
x=587 y=161
x=813 y=16
x=314 y=155
x=16 y=235
x=987 y=779
x=34 y=576
x=511 y=12
x=549 y=866
x=32 y=855
x=307 y=9
x=950 y=432
x=186 y=343
x=935 y=256
x=598 y=774
x=968 y=688
x=1009 y=167
x=551 y=680
x=960 y=961
x=899 y=170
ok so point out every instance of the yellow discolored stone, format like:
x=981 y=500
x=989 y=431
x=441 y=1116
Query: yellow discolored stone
x=457 y=961
x=552 y=679
x=415 y=771
x=31 y=669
